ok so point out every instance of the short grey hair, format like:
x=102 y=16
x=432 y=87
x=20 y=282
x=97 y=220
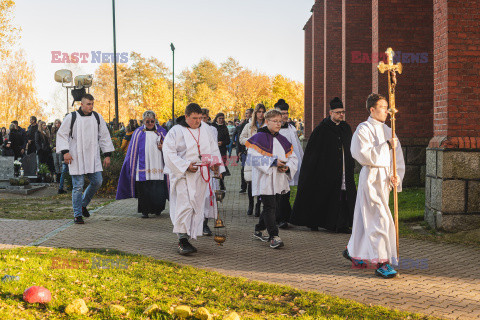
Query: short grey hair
x=149 y=114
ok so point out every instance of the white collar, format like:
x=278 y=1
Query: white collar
x=375 y=122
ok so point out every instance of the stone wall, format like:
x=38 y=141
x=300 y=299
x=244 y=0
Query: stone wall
x=452 y=191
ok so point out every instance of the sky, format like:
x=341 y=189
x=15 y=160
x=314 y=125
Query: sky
x=263 y=35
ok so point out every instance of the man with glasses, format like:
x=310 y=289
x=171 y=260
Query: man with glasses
x=326 y=188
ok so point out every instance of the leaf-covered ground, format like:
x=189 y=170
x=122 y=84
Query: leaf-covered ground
x=69 y=275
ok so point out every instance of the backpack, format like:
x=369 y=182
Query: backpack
x=74 y=117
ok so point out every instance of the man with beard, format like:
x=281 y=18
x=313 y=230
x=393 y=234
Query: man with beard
x=326 y=189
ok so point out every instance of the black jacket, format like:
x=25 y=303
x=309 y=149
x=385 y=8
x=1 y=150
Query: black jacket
x=223 y=136
x=238 y=131
x=42 y=143
x=31 y=132
x=16 y=142
x=317 y=203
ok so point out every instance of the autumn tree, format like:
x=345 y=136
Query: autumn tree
x=19 y=99
x=8 y=32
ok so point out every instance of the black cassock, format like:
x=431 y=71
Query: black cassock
x=320 y=201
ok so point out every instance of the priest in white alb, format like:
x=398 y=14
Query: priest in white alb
x=190 y=151
x=81 y=136
x=373 y=240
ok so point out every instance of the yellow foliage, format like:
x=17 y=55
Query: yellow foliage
x=146 y=84
x=183 y=312
x=203 y=314
x=18 y=96
x=78 y=306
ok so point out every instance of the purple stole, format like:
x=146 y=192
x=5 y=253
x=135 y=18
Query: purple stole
x=263 y=143
x=135 y=154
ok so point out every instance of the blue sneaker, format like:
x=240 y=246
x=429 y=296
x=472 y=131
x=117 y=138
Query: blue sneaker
x=386 y=271
x=357 y=264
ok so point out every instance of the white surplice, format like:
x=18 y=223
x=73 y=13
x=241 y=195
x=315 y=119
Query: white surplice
x=373 y=232
x=188 y=190
x=88 y=137
x=291 y=134
x=153 y=158
x=266 y=180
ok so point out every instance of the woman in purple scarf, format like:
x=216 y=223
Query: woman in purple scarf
x=142 y=174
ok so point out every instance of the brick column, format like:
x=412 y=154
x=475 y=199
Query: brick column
x=318 y=63
x=356 y=58
x=308 y=78
x=333 y=52
x=407 y=27
x=453 y=155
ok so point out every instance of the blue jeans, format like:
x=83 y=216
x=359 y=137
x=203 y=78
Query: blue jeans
x=80 y=200
x=230 y=147
x=62 y=177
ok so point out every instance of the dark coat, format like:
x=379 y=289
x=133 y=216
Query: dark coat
x=238 y=131
x=317 y=203
x=16 y=143
x=223 y=136
x=31 y=132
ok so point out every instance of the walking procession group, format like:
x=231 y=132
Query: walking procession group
x=180 y=165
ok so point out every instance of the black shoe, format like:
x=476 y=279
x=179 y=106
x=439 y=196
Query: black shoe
x=206 y=230
x=243 y=191
x=283 y=225
x=158 y=213
x=314 y=228
x=61 y=191
x=78 y=220
x=250 y=210
x=184 y=247
x=85 y=212
x=144 y=215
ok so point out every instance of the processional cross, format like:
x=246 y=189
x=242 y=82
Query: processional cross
x=392 y=70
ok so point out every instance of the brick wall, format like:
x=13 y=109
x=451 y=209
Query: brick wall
x=318 y=62
x=457 y=72
x=333 y=52
x=356 y=53
x=397 y=24
x=308 y=78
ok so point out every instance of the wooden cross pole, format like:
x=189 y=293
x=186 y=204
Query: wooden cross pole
x=392 y=82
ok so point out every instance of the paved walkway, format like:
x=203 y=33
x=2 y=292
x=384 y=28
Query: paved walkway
x=448 y=287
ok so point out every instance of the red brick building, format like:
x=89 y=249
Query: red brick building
x=438 y=94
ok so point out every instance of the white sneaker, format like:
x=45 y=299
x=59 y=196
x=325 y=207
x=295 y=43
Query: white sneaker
x=276 y=242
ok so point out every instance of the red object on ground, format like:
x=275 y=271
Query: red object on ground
x=37 y=294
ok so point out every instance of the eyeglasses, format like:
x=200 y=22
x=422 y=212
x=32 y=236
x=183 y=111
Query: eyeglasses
x=339 y=112
x=149 y=121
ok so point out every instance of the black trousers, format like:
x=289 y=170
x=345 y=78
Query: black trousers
x=268 y=216
x=251 y=199
x=243 y=185
x=284 y=209
x=152 y=195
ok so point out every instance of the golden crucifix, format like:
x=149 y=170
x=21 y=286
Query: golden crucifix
x=392 y=83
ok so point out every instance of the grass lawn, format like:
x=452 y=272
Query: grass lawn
x=43 y=208
x=148 y=281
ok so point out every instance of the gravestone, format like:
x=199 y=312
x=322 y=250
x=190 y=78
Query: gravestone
x=6 y=168
x=29 y=165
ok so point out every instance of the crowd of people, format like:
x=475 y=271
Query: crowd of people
x=39 y=139
x=186 y=163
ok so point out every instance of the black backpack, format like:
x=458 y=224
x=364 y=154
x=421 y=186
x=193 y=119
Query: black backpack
x=74 y=117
